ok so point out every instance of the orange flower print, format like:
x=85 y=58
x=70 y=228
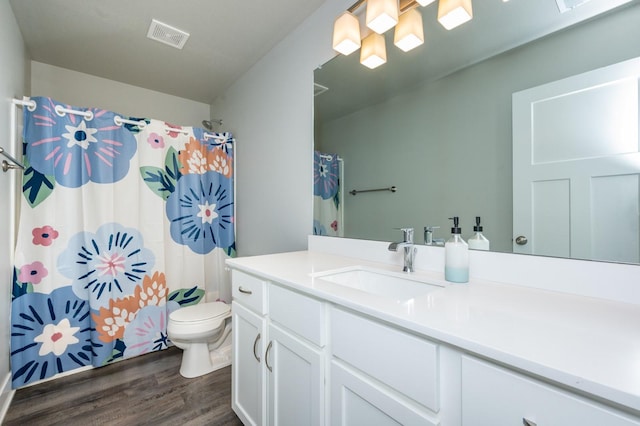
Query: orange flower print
x=153 y=291
x=221 y=163
x=111 y=322
x=196 y=158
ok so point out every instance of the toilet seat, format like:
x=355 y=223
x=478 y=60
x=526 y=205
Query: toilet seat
x=200 y=312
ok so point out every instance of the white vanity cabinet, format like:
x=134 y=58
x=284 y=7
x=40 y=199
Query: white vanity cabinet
x=300 y=359
x=248 y=383
x=295 y=358
x=381 y=375
x=494 y=396
x=278 y=361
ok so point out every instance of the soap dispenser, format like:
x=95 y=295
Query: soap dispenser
x=456 y=256
x=478 y=241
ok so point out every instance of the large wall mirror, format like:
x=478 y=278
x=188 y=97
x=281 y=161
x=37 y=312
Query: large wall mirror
x=436 y=123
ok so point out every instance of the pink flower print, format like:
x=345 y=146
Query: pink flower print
x=156 y=141
x=334 y=225
x=171 y=133
x=32 y=273
x=44 y=236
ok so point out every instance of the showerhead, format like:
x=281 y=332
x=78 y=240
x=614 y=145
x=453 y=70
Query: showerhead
x=208 y=124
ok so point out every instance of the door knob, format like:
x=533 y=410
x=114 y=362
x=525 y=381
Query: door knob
x=521 y=240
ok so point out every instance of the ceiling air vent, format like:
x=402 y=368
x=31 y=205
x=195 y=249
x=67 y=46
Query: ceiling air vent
x=167 y=34
x=319 y=89
x=567 y=5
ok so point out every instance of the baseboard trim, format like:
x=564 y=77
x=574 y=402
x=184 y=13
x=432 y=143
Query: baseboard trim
x=6 y=396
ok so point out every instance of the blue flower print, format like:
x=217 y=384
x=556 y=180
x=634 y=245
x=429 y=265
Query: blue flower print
x=325 y=176
x=105 y=265
x=201 y=212
x=75 y=149
x=318 y=228
x=50 y=334
x=222 y=141
x=147 y=332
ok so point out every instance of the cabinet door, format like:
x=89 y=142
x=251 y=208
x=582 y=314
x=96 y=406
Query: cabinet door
x=493 y=396
x=248 y=374
x=357 y=400
x=296 y=380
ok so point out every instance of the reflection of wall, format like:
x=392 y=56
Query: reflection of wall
x=447 y=144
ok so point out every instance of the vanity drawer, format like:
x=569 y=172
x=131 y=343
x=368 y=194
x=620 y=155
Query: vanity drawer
x=249 y=290
x=402 y=361
x=301 y=314
x=492 y=395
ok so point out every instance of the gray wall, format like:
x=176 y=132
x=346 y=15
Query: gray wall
x=86 y=90
x=14 y=67
x=446 y=145
x=269 y=110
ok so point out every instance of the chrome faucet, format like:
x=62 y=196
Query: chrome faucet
x=428 y=237
x=408 y=249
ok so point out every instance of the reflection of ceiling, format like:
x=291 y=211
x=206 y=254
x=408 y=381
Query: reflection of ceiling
x=496 y=27
x=108 y=39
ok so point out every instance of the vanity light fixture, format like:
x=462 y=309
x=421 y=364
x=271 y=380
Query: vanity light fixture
x=346 y=33
x=409 y=32
x=373 y=52
x=382 y=15
x=452 y=13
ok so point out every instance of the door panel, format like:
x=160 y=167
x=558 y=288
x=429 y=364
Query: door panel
x=576 y=164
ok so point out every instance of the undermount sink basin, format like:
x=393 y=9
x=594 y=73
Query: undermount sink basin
x=399 y=287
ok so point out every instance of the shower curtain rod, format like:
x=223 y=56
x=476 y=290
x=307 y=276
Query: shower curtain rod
x=330 y=157
x=119 y=121
x=6 y=166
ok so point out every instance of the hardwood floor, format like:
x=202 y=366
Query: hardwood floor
x=139 y=391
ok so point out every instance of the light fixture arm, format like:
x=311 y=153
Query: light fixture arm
x=404 y=5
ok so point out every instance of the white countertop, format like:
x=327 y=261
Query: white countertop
x=587 y=344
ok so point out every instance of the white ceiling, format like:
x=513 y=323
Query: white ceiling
x=108 y=39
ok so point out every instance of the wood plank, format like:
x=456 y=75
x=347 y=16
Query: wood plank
x=143 y=390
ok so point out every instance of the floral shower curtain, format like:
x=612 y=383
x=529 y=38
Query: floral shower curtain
x=327 y=206
x=120 y=224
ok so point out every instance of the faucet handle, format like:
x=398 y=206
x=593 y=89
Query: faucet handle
x=428 y=234
x=407 y=234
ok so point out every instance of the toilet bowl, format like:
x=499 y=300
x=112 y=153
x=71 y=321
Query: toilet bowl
x=202 y=331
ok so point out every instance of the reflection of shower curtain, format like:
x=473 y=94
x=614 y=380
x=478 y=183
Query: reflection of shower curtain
x=327 y=204
x=119 y=226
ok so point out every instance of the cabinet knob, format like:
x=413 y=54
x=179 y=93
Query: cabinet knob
x=527 y=422
x=255 y=343
x=242 y=290
x=521 y=240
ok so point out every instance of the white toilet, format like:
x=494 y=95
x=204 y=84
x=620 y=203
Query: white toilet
x=202 y=331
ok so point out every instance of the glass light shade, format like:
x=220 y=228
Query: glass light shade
x=409 y=32
x=346 y=33
x=373 y=52
x=381 y=14
x=424 y=2
x=452 y=13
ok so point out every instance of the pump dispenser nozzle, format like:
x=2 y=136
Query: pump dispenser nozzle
x=478 y=241
x=456 y=229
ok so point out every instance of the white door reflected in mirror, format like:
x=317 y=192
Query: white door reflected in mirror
x=576 y=166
